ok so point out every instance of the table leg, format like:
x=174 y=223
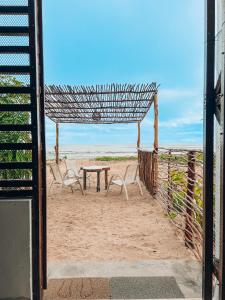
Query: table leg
x=85 y=179
x=98 y=181
x=106 y=179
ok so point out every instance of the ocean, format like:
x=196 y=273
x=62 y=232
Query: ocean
x=93 y=151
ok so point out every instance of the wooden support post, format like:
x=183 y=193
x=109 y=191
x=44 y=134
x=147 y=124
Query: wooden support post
x=57 y=144
x=169 y=189
x=156 y=146
x=156 y=123
x=139 y=136
x=190 y=199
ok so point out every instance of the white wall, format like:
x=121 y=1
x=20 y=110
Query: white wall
x=15 y=249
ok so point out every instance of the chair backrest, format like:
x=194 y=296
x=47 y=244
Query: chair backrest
x=131 y=173
x=54 y=168
x=71 y=166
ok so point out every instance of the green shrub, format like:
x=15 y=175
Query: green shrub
x=178 y=185
x=14 y=136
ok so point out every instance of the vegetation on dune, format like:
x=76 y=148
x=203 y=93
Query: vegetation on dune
x=179 y=158
x=178 y=195
x=115 y=158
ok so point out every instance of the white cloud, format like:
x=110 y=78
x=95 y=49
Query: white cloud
x=176 y=122
x=173 y=94
x=190 y=118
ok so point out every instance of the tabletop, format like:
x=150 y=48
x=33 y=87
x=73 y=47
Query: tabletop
x=96 y=168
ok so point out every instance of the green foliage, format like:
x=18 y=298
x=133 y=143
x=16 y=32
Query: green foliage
x=172 y=215
x=178 y=177
x=115 y=158
x=198 y=196
x=179 y=158
x=178 y=185
x=14 y=136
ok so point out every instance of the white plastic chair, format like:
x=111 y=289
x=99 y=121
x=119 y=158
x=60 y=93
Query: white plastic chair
x=64 y=181
x=130 y=177
x=72 y=170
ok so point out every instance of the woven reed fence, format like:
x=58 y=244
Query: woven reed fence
x=175 y=177
x=147 y=171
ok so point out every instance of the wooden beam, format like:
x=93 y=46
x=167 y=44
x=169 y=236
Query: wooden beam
x=156 y=123
x=139 y=135
x=57 y=144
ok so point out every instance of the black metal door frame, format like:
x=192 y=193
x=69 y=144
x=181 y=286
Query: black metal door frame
x=210 y=267
x=43 y=149
x=37 y=184
x=213 y=108
x=23 y=43
x=207 y=289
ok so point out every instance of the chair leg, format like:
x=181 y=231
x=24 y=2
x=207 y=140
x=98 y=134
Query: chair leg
x=51 y=184
x=125 y=188
x=121 y=190
x=81 y=188
x=140 y=188
x=106 y=194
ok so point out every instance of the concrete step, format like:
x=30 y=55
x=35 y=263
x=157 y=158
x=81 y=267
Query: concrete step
x=158 y=279
x=114 y=288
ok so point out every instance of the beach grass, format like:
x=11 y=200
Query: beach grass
x=179 y=158
x=115 y=158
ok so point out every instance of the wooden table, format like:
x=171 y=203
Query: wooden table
x=98 y=170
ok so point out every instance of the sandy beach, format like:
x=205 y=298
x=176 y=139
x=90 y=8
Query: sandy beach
x=94 y=227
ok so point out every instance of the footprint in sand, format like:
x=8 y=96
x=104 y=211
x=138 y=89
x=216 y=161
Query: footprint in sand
x=146 y=245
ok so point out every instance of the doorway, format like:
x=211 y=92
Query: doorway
x=28 y=42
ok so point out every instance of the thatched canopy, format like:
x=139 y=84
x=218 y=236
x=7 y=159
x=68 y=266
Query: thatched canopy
x=101 y=104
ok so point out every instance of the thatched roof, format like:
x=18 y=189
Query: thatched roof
x=101 y=104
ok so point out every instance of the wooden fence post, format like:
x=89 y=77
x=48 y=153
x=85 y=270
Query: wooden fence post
x=169 y=189
x=190 y=199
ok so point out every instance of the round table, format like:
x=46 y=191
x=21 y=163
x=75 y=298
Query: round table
x=98 y=170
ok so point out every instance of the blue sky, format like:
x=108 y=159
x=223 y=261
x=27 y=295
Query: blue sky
x=129 y=41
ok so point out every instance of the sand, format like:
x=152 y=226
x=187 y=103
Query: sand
x=96 y=228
